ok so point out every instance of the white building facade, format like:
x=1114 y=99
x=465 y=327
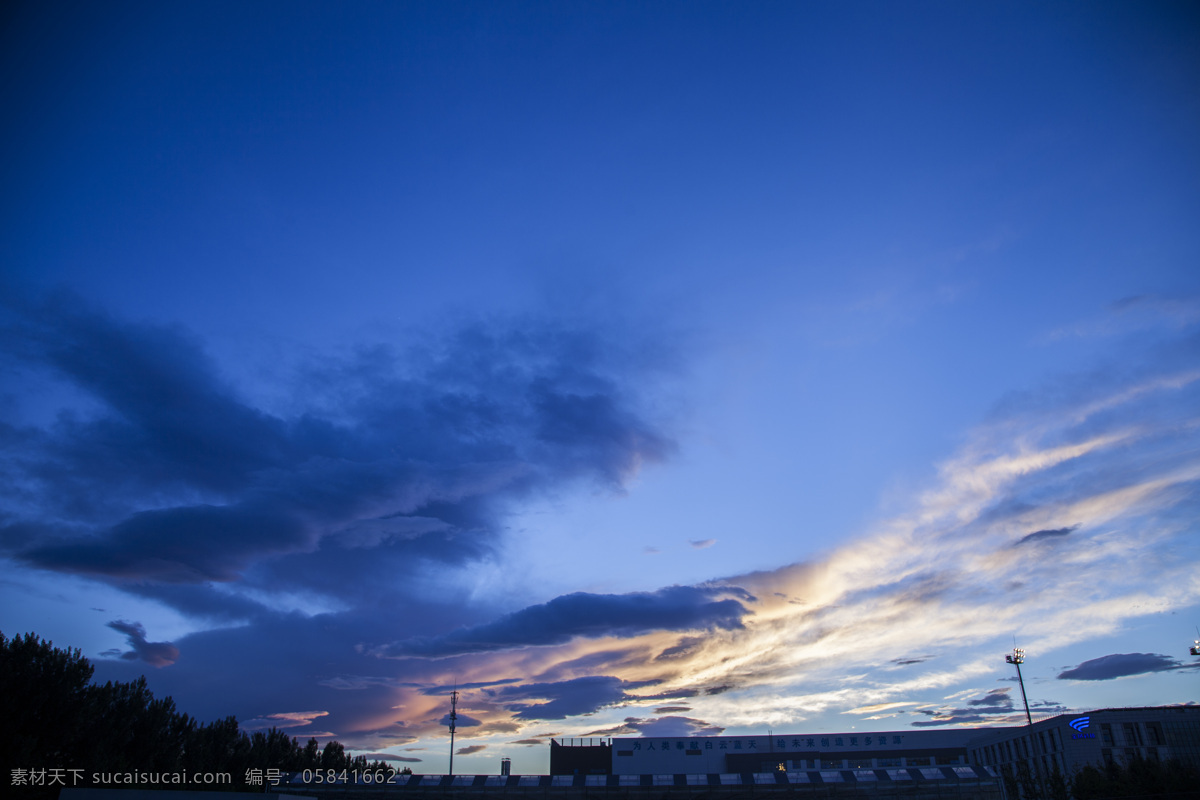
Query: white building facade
x=806 y=751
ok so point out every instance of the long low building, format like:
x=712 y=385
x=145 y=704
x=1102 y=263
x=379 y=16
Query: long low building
x=808 y=751
x=1070 y=742
x=1065 y=742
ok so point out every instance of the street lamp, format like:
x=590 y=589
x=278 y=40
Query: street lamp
x=1016 y=659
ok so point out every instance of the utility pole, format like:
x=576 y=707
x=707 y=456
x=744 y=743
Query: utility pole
x=1017 y=657
x=453 y=718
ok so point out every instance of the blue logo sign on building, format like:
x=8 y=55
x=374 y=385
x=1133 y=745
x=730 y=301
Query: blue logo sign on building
x=1079 y=724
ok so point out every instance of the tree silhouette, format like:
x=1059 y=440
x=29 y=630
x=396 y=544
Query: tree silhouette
x=55 y=718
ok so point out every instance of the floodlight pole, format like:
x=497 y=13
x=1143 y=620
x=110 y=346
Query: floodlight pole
x=1018 y=656
x=453 y=718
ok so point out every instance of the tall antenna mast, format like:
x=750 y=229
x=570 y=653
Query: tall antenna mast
x=453 y=719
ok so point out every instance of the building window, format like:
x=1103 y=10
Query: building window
x=1132 y=735
x=1154 y=730
x=1106 y=733
x=917 y=761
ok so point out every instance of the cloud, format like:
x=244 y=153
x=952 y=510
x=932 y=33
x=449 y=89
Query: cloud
x=396 y=467
x=1116 y=464
x=158 y=471
x=998 y=699
x=286 y=719
x=389 y=757
x=995 y=707
x=156 y=654
x=564 y=698
x=1037 y=536
x=1133 y=314
x=663 y=727
x=466 y=751
x=1120 y=665
x=878 y=707
x=700 y=544
x=460 y=721
x=581 y=614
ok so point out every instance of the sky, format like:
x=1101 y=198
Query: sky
x=636 y=369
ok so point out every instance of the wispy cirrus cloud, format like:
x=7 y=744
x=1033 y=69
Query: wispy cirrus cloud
x=1076 y=500
x=1048 y=511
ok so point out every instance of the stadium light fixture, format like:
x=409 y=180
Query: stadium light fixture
x=1016 y=659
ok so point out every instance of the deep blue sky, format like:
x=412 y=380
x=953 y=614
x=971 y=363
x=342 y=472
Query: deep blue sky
x=573 y=351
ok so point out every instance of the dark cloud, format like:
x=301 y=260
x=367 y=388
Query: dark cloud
x=461 y=721
x=434 y=691
x=206 y=601
x=474 y=748
x=994 y=703
x=661 y=726
x=684 y=648
x=1118 y=665
x=156 y=654
x=389 y=757
x=601 y=661
x=256 y=670
x=185 y=544
x=950 y=719
x=565 y=698
x=471 y=749
x=1038 y=536
x=998 y=698
x=529 y=742
x=672 y=709
x=583 y=614
x=157 y=473
x=903 y=662
x=286 y=720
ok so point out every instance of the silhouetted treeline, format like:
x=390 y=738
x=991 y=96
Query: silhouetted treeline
x=52 y=718
x=1138 y=777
